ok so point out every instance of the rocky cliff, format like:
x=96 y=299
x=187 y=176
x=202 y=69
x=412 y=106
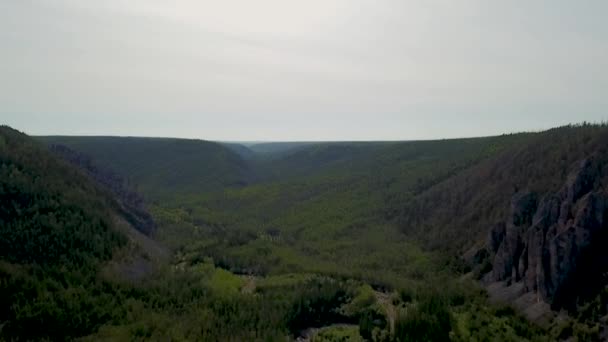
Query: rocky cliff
x=554 y=246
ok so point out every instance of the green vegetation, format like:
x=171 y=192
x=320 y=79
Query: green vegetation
x=50 y=213
x=333 y=241
x=478 y=197
x=162 y=166
x=55 y=229
x=338 y=334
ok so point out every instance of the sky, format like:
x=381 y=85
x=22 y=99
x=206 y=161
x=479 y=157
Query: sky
x=269 y=70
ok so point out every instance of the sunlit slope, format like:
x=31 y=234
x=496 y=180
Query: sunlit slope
x=329 y=207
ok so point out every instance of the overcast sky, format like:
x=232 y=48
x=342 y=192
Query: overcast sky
x=301 y=70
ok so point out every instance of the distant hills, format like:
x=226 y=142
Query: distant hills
x=524 y=215
x=161 y=165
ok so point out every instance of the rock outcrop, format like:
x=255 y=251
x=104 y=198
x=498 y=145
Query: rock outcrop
x=546 y=246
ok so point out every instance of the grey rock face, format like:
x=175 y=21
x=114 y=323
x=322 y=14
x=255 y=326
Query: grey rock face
x=496 y=236
x=523 y=206
x=542 y=242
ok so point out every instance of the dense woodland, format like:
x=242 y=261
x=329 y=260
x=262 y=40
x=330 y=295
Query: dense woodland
x=324 y=241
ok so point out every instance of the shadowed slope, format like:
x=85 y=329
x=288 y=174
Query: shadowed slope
x=159 y=166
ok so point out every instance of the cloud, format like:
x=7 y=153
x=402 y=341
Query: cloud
x=217 y=69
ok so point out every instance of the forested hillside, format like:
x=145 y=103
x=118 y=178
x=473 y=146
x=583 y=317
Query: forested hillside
x=162 y=166
x=56 y=227
x=130 y=203
x=480 y=196
x=382 y=241
x=63 y=247
x=529 y=220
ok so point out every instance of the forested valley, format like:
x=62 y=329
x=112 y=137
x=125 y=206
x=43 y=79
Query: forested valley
x=477 y=239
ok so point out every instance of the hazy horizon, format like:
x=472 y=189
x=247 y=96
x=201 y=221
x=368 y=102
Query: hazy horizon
x=274 y=71
x=254 y=142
